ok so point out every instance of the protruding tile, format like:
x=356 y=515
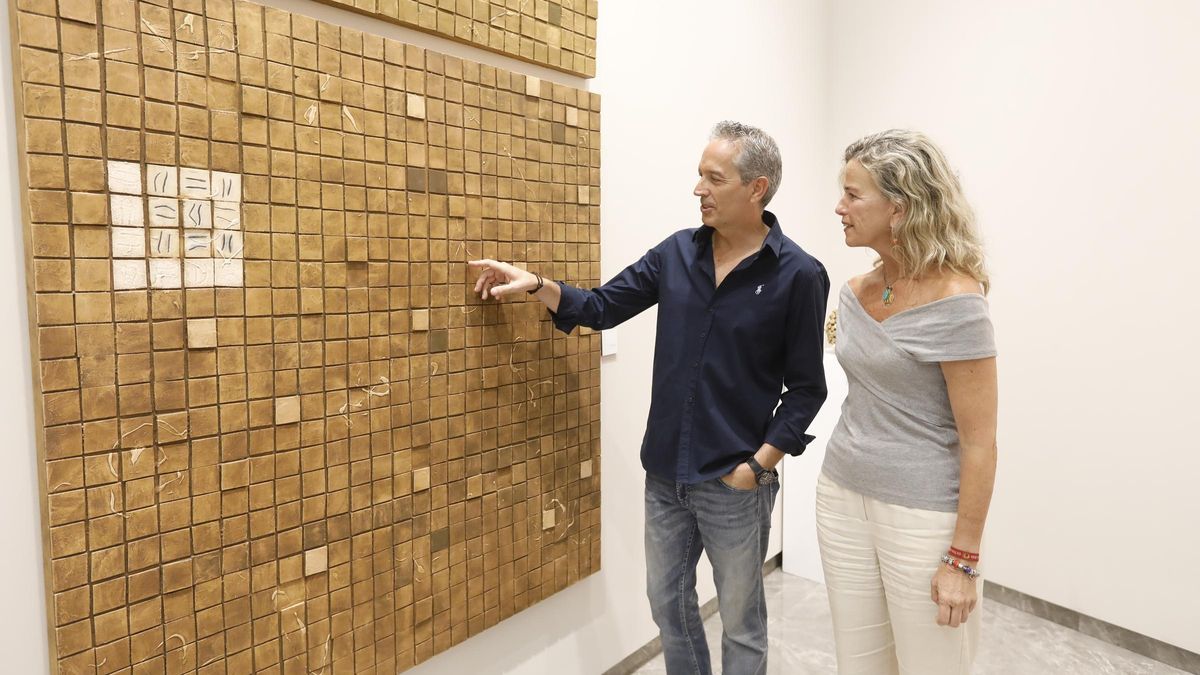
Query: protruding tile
x=420 y=320
x=287 y=410
x=420 y=479
x=548 y=518
x=316 y=560
x=585 y=468
x=201 y=333
x=416 y=106
x=533 y=86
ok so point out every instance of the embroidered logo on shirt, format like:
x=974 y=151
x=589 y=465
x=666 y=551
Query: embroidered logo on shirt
x=758 y=291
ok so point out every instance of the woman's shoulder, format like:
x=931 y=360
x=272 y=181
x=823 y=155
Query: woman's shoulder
x=947 y=284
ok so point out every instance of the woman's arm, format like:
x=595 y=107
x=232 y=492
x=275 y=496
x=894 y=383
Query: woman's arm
x=973 y=399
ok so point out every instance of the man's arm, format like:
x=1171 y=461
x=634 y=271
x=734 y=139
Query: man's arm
x=804 y=377
x=624 y=296
x=804 y=370
x=498 y=279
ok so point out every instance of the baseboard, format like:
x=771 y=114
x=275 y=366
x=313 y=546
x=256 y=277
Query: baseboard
x=1137 y=643
x=653 y=648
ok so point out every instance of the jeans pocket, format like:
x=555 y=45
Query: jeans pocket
x=738 y=491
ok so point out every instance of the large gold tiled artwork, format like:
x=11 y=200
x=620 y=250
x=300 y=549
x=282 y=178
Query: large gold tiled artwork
x=278 y=434
x=560 y=34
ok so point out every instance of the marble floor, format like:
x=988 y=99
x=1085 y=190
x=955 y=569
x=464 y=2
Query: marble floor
x=1013 y=642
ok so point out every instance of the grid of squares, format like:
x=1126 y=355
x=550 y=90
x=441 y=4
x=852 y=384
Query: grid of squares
x=150 y=249
x=560 y=34
x=345 y=462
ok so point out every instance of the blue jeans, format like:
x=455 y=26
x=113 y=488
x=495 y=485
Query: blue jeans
x=732 y=526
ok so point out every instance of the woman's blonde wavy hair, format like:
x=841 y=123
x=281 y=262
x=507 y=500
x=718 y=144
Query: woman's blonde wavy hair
x=938 y=227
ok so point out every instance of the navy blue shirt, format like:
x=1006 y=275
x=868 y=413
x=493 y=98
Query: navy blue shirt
x=722 y=354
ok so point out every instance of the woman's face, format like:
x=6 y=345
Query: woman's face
x=868 y=216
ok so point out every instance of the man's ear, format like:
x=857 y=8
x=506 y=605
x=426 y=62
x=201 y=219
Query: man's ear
x=758 y=189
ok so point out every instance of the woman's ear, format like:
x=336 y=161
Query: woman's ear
x=898 y=213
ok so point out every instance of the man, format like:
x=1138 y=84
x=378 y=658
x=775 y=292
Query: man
x=740 y=314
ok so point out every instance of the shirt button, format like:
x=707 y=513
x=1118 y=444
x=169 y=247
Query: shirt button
x=691 y=399
x=695 y=364
x=703 y=333
x=711 y=310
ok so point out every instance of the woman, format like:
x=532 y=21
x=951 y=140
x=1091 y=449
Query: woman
x=908 y=471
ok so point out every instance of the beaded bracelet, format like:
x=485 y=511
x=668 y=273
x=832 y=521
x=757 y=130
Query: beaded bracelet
x=963 y=555
x=960 y=566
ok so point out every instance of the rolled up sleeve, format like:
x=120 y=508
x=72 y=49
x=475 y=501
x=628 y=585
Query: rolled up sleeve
x=623 y=297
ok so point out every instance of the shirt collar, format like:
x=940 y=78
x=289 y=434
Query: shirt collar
x=774 y=240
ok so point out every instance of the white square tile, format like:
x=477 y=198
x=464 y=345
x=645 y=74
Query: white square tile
x=129 y=274
x=227 y=215
x=195 y=183
x=164 y=212
x=197 y=213
x=227 y=245
x=227 y=186
x=127 y=210
x=197 y=244
x=198 y=273
x=128 y=242
x=162 y=180
x=416 y=106
x=165 y=273
x=164 y=243
x=572 y=117
x=125 y=177
x=229 y=272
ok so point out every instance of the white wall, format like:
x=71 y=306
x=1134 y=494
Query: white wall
x=1074 y=126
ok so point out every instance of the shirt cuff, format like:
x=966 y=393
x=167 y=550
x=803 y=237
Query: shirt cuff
x=787 y=442
x=570 y=302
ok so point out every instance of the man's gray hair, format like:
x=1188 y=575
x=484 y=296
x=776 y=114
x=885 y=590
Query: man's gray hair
x=758 y=155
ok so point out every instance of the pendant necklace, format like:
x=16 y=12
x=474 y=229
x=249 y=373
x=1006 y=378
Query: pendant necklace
x=888 y=294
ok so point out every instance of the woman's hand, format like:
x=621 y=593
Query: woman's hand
x=498 y=278
x=955 y=595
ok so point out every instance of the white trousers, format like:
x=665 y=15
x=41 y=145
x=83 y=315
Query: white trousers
x=879 y=560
